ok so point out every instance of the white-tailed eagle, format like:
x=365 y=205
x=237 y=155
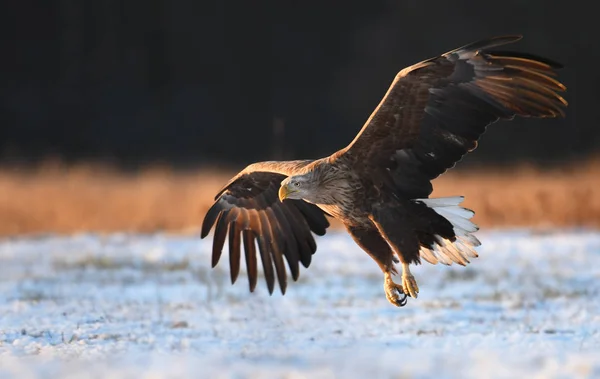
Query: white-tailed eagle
x=379 y=185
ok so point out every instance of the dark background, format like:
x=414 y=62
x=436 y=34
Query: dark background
x=192 y=83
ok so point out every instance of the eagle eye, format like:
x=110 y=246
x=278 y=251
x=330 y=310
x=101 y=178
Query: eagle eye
x=297 y=184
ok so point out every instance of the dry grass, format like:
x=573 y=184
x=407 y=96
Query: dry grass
x=63 y=199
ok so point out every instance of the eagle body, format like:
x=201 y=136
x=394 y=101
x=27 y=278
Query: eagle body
x=379 y=185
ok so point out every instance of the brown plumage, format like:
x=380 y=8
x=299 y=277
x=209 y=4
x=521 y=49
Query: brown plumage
x=378 y=186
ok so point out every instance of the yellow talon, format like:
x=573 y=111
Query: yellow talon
x=409 y=284
x=393 y=291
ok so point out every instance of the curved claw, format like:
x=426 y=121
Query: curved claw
x=409 y=284
x=397 y=297
x=403 y=301
x=394 y=292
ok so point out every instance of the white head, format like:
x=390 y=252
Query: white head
x=299 y=187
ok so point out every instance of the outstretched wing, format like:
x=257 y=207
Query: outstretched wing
x=248 y=210
x=435 y=111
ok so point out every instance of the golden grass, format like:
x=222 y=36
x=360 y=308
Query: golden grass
x=64 y=199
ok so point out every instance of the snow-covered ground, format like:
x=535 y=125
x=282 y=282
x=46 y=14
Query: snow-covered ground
x=149 y=306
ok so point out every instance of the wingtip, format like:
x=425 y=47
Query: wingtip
x=484 y=44
x=215 y=261
x=204 y=233
x=270 y=285
x=512 y=54
x=205 y=230
x=210 y=218
x=296 y=275
x=508 y=38
x=233 y=276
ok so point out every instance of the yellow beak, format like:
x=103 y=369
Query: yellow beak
x=283 y=192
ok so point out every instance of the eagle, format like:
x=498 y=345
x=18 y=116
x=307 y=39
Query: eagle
x=379 y=185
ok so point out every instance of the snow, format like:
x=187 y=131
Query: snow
x=150 y=306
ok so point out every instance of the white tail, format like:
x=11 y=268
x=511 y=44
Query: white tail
x=446 y=251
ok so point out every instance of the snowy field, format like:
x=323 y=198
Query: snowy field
x=149 y=306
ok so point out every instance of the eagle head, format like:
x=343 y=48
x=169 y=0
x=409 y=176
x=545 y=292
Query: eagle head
x=297 y=187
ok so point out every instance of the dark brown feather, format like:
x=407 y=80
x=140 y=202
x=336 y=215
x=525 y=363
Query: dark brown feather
x=290 y=250
x=209 y=220
x=371 y=241
x=313 y=215
x=250 y=253
x=249 y=204
x=234 y=251
x=219 y=239
x=396 y=228
x=301 y=234
x=264 y=247
x=277 y=245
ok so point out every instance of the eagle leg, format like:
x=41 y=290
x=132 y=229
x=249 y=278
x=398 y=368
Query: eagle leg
x=409 y=284
x=394 y=227
x=394 y=292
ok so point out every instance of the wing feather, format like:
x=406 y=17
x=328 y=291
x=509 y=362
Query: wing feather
x=250 y=253
x=234 y=251
x=310 y=245
x=248 y=210
x=265 y=246
x=277 y=246
x=209 y=220
x=313 y=216
x=301 y=234
x=219 y=239
x=290 y=250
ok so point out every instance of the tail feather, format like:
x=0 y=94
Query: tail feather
x=458 y=220
x=461 y=247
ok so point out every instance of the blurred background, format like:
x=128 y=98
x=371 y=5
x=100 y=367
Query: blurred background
x=129 y=115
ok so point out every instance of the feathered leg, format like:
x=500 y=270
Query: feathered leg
x=402 y=241
x=370 y=240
